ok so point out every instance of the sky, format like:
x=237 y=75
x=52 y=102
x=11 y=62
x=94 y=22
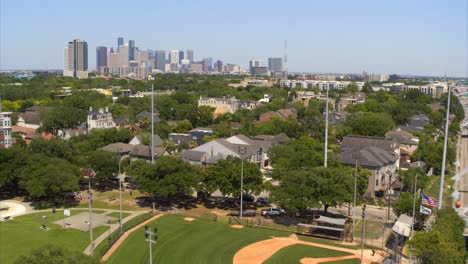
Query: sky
x=417 y=37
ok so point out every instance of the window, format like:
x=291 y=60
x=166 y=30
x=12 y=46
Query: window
x=376 y=182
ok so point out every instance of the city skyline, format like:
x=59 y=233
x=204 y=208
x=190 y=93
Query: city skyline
x=425 y=38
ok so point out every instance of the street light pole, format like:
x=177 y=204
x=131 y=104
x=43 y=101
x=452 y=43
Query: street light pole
x=354 y=203
x=91 y=244
x=363 y=231
x=444 y=154
x=242 y=186
x=120 y=194
x=325 y=158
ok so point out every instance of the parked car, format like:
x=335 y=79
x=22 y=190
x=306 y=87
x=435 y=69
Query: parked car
x=247 y=198
x=272 y=211
x=262 y=200
x=244 y=213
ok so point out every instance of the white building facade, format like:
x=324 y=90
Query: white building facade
x=100 y=119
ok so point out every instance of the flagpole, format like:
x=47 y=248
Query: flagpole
x=444 y=155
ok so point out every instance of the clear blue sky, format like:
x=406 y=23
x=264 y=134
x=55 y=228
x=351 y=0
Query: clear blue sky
x=398 y=36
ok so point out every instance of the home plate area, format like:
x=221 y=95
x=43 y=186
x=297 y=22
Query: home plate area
x=81 y=221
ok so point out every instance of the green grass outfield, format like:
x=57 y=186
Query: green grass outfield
x=23 y=234
x=294 y=253
x=199 y=241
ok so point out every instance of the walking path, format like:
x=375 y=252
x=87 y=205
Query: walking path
x=105 y=235
x=261 y=251
x=124 y=236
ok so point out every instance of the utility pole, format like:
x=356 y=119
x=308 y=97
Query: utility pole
x=325 y=158
x=444 y=155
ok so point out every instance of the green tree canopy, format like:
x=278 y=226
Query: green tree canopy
x=55 y=255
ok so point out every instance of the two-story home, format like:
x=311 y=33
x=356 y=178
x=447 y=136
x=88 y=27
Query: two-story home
x=378 y=154
x=100 y=119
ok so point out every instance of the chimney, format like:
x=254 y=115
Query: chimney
x=101 y=110
x=90 y=108
x=107 y=109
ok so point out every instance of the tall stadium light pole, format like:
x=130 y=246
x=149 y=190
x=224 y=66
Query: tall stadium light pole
x=442 y=175
x=325 y=158
x=150 y=78
x=242 y=187
x=120 y=194
x=152 y=238
x=354 y=202
x=91 y=244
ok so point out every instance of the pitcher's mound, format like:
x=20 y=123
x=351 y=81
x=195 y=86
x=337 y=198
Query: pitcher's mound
x=189 y=219
x=237 y=226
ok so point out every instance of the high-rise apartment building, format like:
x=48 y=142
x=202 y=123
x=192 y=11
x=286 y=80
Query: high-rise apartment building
x=101 y=57
x=123 y=56
x=252 y=64
x=5 y=128
x=275 y=64
x=160 y=60
x=190 y=55
x=76 y=59
x=120 y=43
x=207 y=64
x=131 y=50
x=174 y=57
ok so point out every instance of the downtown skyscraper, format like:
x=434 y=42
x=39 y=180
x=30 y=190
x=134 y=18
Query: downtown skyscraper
x=75 y=62
x=101 y=58
x=190 y=55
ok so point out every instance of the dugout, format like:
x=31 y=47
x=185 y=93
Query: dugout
x=326 y=227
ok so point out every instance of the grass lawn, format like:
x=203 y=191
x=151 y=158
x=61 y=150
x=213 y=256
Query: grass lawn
x=346 y=261
x=199 y=241
x=117 y=215
x=110 y=200
x=374 y=230
x=294 y=253
x=22 y=234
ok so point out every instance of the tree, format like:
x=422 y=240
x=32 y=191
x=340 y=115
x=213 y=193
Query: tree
x=408 y=177
x=61 y=118
x=370 y=124
x=444 y=243
x=183 y=126
x=276 y=125
x=168 y=176
x=170 y=146
x=13 y=161
x=304 y=152
x=55 y=255
x=226 y=176
x=48 y=178
x=404 y=205
x=105 y=164
x=204 y=115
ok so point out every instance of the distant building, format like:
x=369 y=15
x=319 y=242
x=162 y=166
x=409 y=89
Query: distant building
x=259 y=71
x=174 y=57
x=207 y=64
x=282 y=114
x=196 y=67
x=231 y=68
x=253 y=82
x=131 y=50
x=190 y=55
x=218 y=66
x=181 y=56
x=160 y=59
x=435 y=89
x=253 y=63
x=101 y=58
x=5 y=129
x=120 y=43
x=76 y=59
x=350 y=99
x=377 y=77
x=275 y=64
x=99 y=119
x=226 y=104
x=322 y=85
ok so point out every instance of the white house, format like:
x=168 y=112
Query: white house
x=100 y=119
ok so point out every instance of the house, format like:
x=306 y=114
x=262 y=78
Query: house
x=305 y=96
x=351 y=99
x=378 y=154
x=408 y=142
x=137 y=140
x=226 y=104
x=145 y=114
x=134 y=151
x=282 y=113
x=100 y=119
x=72 y=132
x=417 y=123
x=199 y=133
x=121 y=121
x=280 y=138
x=180 y=138
x=252 y=150
x=31 y=118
